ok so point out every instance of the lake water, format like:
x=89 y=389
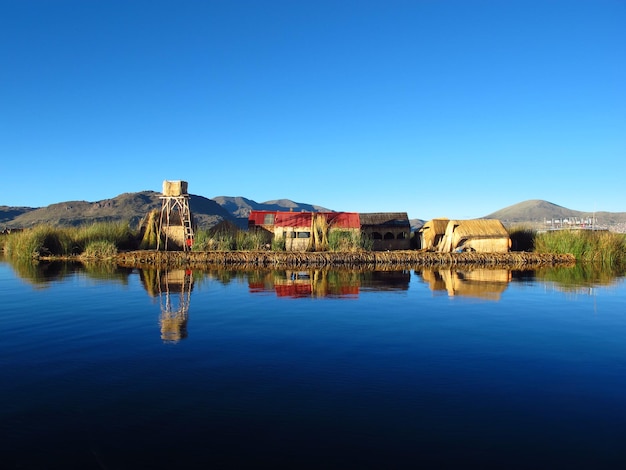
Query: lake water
x=110 y=368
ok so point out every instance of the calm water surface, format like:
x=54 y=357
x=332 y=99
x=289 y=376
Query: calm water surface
x=108 y=368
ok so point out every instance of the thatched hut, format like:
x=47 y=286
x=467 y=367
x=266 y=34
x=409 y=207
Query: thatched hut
x=432 y=232
x=481 y=235
x=387 y=230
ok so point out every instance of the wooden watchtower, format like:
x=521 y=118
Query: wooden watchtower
x=175 y=223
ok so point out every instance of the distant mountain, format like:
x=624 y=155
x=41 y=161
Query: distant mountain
x=133 y=207
x=287 y=204
x=130 y=207
x=7 y=213
x=416 y=224
x=240 y=207
x=536 y=211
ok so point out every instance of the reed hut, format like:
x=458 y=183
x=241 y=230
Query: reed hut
x=432 y=232
x=480 y=235
x=387 y=230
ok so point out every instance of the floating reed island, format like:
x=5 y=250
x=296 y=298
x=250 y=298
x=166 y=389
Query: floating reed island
x=367 y=259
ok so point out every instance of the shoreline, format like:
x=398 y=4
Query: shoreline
x=361 y=260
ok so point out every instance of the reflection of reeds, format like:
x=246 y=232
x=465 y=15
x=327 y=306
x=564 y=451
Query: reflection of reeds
x=39 y=273
x=583 y=274
x=150 y=280
x=43 y=272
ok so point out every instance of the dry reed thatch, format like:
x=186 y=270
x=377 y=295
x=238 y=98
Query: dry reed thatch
x=485 y=235
x=480 y=227
x=174 y=188
x=391 y=219
x=319 y=231
x=366 y=260
x=432 y=231
x=150 y=227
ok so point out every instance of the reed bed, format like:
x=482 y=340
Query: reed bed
x=99 y=240
x=236 y=248
x=601 y=247
x=370 y=260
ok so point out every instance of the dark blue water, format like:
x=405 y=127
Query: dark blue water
x=111 y=369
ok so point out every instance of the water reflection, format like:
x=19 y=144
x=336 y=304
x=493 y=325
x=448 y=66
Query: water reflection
x=486 y=284
x=320 y=283
x=582 y=276
x=42 y=274
x=173 y=289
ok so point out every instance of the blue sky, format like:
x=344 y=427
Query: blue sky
x=436 y=108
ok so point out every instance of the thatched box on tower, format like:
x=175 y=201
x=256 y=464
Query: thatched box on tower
x=174 y=188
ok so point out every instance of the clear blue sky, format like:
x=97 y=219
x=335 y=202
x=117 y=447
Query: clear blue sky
x=433 y=107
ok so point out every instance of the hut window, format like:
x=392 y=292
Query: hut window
x=389 y=236
x=401 y=236
x=303 y=234
x=377 y=236
x=269 y=219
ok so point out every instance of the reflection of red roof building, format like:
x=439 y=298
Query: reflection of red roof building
x=294 y=290
x=314 y=283
x=319 y=283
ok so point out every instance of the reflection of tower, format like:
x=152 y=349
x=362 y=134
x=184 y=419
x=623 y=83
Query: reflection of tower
x=174 y=294
x=175 y=225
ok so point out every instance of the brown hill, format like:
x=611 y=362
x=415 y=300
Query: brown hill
x=536 y=212
x=131 y=207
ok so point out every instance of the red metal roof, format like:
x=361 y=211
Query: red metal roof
x=345 y=220
x=258 y=217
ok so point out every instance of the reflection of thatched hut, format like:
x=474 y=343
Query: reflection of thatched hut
x=432 y=232
x=486 y=284
x=481 y=235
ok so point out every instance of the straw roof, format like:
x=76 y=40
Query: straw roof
x=437 y=225
x=486 y=235
x=389 y=219
x=484 y=228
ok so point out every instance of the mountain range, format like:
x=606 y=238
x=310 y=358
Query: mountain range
x=133 y=207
